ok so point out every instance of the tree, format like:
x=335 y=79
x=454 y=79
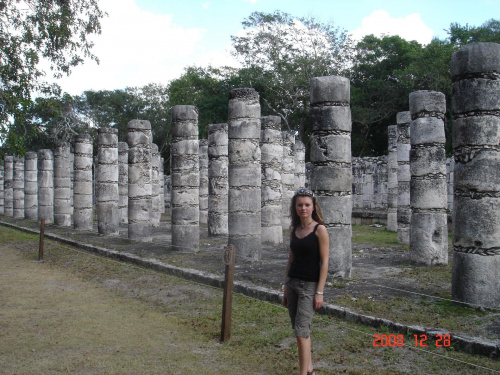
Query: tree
x=208 y=89
x=380 y=87
x=32 y=31
x=281 y=54
x=488 y=32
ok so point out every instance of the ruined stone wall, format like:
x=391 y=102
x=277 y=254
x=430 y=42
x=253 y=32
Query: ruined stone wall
x=369 y=183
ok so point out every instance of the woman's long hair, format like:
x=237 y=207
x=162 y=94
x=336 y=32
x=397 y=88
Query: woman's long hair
x=317 y=215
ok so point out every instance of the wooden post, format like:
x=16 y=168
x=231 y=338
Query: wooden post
x=227 y=303
x=40 y=247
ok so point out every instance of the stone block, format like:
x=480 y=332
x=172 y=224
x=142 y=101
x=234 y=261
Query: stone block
x=476 y=279
x=328 y=118
x=479 y=174
x=476 y=58
x=476 y=222
x=429 y=238
x=331 y=148
x=427 y=130
x=331 y=178
x=477 y=94
x=427 y=101
x=476 y=131
x=428 y=194
x=330 y=89
x=428 y=160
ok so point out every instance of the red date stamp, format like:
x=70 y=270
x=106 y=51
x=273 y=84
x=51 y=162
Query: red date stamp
x=419 y=340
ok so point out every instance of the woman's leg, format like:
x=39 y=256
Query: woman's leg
x=305 y=362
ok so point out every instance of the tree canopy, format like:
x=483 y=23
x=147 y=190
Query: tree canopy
x=36 y=31
x=279 y=55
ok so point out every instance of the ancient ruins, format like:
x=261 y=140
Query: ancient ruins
x=238 y=183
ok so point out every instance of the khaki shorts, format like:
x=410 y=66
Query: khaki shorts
x=300 y=300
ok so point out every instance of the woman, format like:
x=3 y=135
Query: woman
x=306 y=270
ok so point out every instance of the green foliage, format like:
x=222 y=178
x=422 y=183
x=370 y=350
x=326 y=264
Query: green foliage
x=31 y=31
x=208 y=89
x=281 y=53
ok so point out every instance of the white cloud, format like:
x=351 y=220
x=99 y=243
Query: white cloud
x=205 y=5
x=410 y=27
x=135 y=48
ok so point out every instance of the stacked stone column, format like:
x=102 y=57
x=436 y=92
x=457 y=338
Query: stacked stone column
x=18 y=187
x=162 y=185
x=46 y=186
x=331 y=157
x=185 y=177
x=62 y=186
x=203 y=153
x=139 y=139
x=2 y=210
x=450 y=166
x=475 y=71
x=271 y=163
x=31 y=186
x=108 y=219
x=217 y=179
x=123 y=182
x=299 y=153
x=82 y=184
x=287 y=178
x=8 y=191
x=244 y=214
x=428 y=195
x=404 y=210
x=392 y=179
x=155 y=186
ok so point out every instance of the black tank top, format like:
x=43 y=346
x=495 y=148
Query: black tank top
x=305 y=264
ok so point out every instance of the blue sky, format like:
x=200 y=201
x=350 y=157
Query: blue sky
x=147 y=41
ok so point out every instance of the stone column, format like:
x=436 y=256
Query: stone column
x=108 y=219
x=18 y=187
x=244 y=173
x=450 y=166
x=392 y=179
x=72 y=180
x=8 y=191
x=185 y=176
x=428 y=195
x=475 y=71
x=404 y=210
x=62 y=186
x=123 y=182
x=139 y=141
x=287 y=178
x=331 y=157
x=299 y=153
x=46 y=186
x=82 y=184
x=162 y=185
x=168 y=192
x=31 y=186
x=271 y=191
x=217 y=179
x=2 y=210
x=155 y=186
x=203 y=152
